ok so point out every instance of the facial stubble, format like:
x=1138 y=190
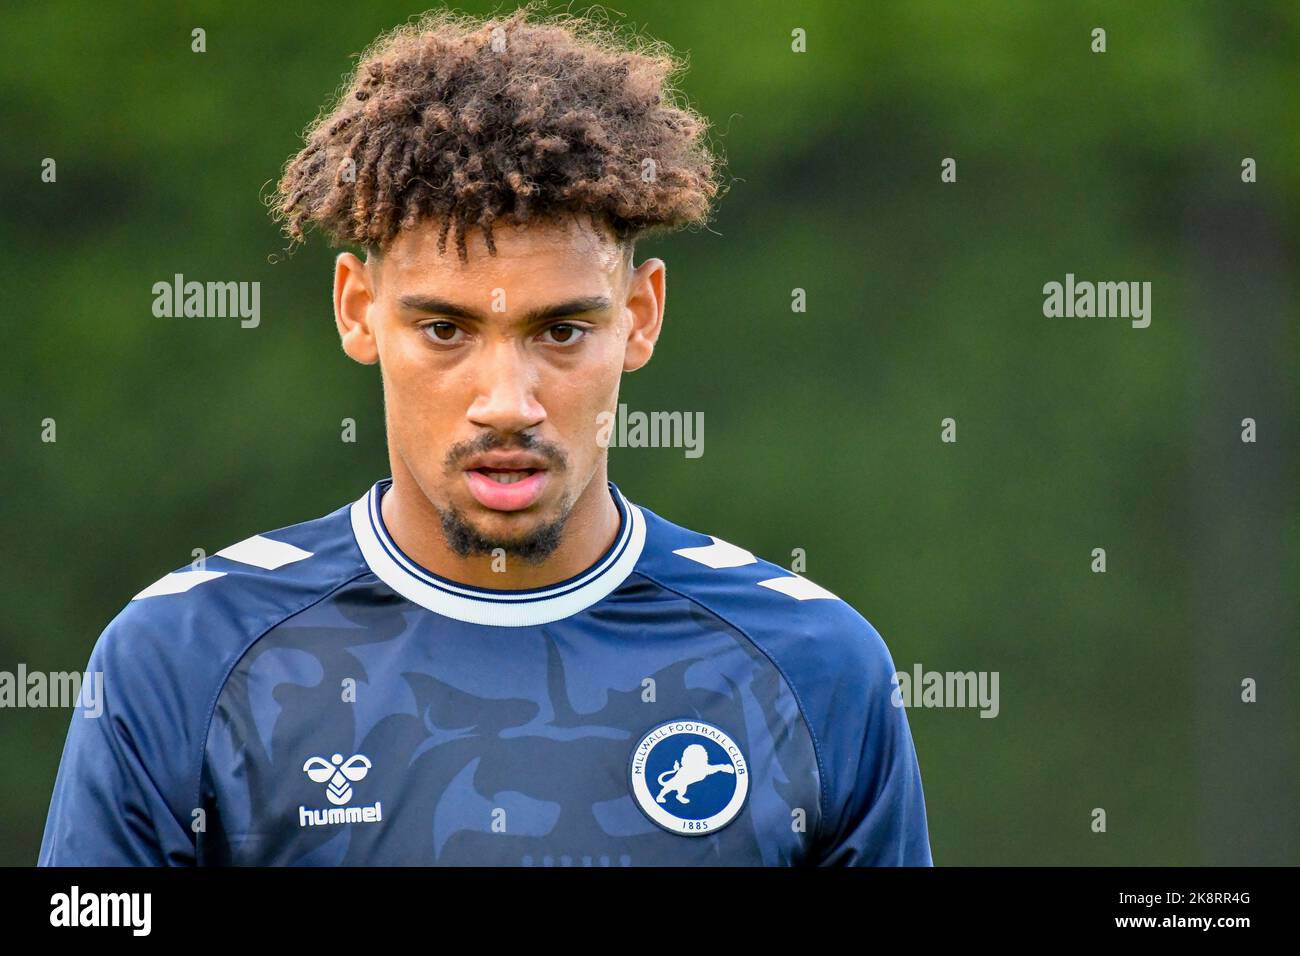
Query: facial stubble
x=534 y=546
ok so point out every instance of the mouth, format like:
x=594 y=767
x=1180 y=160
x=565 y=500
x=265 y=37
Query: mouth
x=506 y=482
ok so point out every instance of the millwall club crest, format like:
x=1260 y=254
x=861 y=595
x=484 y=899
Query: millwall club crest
x=689 y=777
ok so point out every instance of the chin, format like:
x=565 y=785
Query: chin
x=528 y=534
x=506 y=525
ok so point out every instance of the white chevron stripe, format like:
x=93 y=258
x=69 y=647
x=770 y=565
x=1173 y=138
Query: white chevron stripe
x=720 y=554
x=262 y=552
x=178 y=582
x=797 y=587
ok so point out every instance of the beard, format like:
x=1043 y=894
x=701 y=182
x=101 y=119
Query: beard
x=532 y=548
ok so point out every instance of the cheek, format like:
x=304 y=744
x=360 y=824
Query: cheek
x=605 y=373
x=575 y=398
x=413 y=392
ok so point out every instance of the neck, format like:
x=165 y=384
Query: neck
x=416 y=527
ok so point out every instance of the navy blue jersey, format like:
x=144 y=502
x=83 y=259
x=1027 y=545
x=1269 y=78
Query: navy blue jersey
x=312 y=696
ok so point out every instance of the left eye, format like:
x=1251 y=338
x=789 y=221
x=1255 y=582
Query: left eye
x=444 y=332
x=564 y=334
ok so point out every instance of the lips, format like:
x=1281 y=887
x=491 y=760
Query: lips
x=505 y=461
x=506 y=481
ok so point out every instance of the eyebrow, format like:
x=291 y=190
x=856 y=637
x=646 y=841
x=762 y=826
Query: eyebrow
x=437 y=306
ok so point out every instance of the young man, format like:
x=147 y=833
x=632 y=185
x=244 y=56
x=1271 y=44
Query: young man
x=493 y=657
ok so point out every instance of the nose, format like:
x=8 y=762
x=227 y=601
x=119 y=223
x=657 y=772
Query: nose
x=505 y=398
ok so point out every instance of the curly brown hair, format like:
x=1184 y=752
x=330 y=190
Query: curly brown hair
x=470 y=121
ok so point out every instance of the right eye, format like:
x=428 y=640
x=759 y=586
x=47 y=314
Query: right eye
x=444 y=333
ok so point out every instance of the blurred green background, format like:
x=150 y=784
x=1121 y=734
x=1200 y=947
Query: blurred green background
x=1118 y=690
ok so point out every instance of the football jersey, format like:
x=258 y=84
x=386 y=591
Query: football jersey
x=312 y=696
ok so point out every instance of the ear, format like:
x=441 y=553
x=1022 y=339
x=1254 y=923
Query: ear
x=645 y=303
x=354 y=296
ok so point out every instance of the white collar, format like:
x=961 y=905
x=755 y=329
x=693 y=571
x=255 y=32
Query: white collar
x=503 y=608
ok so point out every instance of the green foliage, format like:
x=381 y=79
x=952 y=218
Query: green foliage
x=822 y=428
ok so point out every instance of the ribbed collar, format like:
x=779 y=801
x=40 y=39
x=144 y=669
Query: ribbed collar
x=500 y=607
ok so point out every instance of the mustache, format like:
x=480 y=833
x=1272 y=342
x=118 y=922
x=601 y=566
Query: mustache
x=514 y=441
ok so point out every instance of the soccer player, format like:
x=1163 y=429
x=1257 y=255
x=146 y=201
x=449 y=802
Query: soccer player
x=493 y=657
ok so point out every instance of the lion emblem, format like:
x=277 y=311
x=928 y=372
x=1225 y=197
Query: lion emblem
x=691 y=769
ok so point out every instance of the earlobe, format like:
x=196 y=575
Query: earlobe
x=353 y=298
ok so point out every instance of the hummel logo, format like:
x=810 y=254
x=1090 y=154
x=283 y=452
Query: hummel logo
x=339 y=774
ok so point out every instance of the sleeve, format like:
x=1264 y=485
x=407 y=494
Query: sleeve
x=876 y=811
x=119 y=796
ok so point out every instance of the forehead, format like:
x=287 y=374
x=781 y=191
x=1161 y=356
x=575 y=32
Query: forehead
x=533 y=258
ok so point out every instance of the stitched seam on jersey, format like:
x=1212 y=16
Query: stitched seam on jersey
x=221 y=686
x=817 y=750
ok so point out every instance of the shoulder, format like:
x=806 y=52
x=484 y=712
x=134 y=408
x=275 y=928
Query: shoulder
x=186 y=629
x=160 y=664
x=842 y=677
x=820 y=642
